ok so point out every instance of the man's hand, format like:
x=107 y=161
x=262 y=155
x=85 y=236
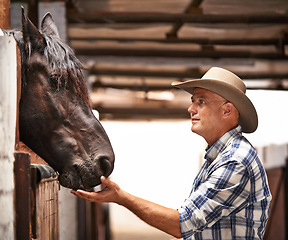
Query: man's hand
x=163 y=218
x=109 y=194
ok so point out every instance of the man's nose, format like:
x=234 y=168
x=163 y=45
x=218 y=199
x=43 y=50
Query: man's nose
x=192 y=110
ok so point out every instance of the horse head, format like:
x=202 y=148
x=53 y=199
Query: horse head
x=55 y=115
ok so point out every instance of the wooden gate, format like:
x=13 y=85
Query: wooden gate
x=36 y=200
x=44 y=203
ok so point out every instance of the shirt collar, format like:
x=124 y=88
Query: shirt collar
x=213 y=151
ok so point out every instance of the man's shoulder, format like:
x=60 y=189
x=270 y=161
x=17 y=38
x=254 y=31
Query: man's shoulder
x=240 y=149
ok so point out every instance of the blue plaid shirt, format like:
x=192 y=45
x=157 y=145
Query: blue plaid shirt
x=230 y=197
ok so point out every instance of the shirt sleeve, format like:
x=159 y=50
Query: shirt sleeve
x=224 y=190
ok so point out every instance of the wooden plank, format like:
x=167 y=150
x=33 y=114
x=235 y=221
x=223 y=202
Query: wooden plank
x=202 y=41
x=45 y=199
x=19 y=77
x=22 y=195
x=176 y=53
x=33 y=201
x=186 y=73
x=124 y=17
x=47 y=210
x=8 y=106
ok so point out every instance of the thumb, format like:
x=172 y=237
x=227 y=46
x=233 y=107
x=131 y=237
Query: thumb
x=106 y=181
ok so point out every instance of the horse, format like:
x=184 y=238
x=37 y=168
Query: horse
x=55 y=115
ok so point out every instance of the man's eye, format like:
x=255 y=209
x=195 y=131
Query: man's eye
x=198 y=102
x=201 y=102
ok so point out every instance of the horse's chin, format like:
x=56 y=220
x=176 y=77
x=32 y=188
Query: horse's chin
x=76 y=182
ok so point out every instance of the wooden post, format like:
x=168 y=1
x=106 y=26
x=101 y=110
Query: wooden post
x=8 y=86
x=5 y=14
x=22 y=195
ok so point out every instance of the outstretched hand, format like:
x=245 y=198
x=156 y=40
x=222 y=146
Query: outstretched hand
x=111 y=193
x=163 y=218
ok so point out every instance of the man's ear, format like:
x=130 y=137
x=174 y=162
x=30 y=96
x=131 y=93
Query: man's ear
x=230 y=110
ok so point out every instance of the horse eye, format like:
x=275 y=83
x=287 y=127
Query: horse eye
x=55 y=80
x=53 y=77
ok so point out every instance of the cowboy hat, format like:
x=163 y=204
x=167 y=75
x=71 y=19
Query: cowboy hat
x=229 y=86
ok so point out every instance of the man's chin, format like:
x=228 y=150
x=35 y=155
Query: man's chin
x=195 y=128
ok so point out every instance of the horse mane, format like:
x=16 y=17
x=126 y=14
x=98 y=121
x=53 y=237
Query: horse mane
x=63 y=61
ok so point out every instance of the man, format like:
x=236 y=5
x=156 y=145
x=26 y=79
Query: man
x=230 y=197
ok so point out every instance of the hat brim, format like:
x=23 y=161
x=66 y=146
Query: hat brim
x=248 y=118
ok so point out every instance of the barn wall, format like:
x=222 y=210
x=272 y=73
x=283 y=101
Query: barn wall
x=8 y=83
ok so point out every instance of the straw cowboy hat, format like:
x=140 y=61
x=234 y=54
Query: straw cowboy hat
x=229 y=86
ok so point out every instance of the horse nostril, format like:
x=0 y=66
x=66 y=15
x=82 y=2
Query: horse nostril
x=105 y=166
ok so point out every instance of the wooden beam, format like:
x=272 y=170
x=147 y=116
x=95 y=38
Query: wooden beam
x=189 y=73
x=276 y=86
x=140 y=113
x=138 y=17
x=176 y=53
x=191 y=8
x=200 y=41
x=132 y=87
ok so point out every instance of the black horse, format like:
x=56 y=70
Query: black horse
x=55 y=115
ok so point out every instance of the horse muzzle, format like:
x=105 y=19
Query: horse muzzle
x=86 y=175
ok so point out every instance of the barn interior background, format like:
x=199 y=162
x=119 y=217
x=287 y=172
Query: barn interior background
x=132 y=51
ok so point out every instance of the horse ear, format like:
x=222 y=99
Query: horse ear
x=31 y=36
x=48 y=26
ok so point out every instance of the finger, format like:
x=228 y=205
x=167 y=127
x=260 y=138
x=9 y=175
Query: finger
x=106 y=181
x=85 y=194
x=75 y=193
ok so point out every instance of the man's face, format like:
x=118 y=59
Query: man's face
x=206 y=113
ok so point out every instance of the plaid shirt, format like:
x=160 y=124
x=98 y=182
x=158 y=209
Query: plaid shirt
x=230 y=197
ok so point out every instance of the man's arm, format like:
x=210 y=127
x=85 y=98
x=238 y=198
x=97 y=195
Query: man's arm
x=163 y=218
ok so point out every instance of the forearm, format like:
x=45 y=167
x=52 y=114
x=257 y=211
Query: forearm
x=165 y=219
x=160 y=217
